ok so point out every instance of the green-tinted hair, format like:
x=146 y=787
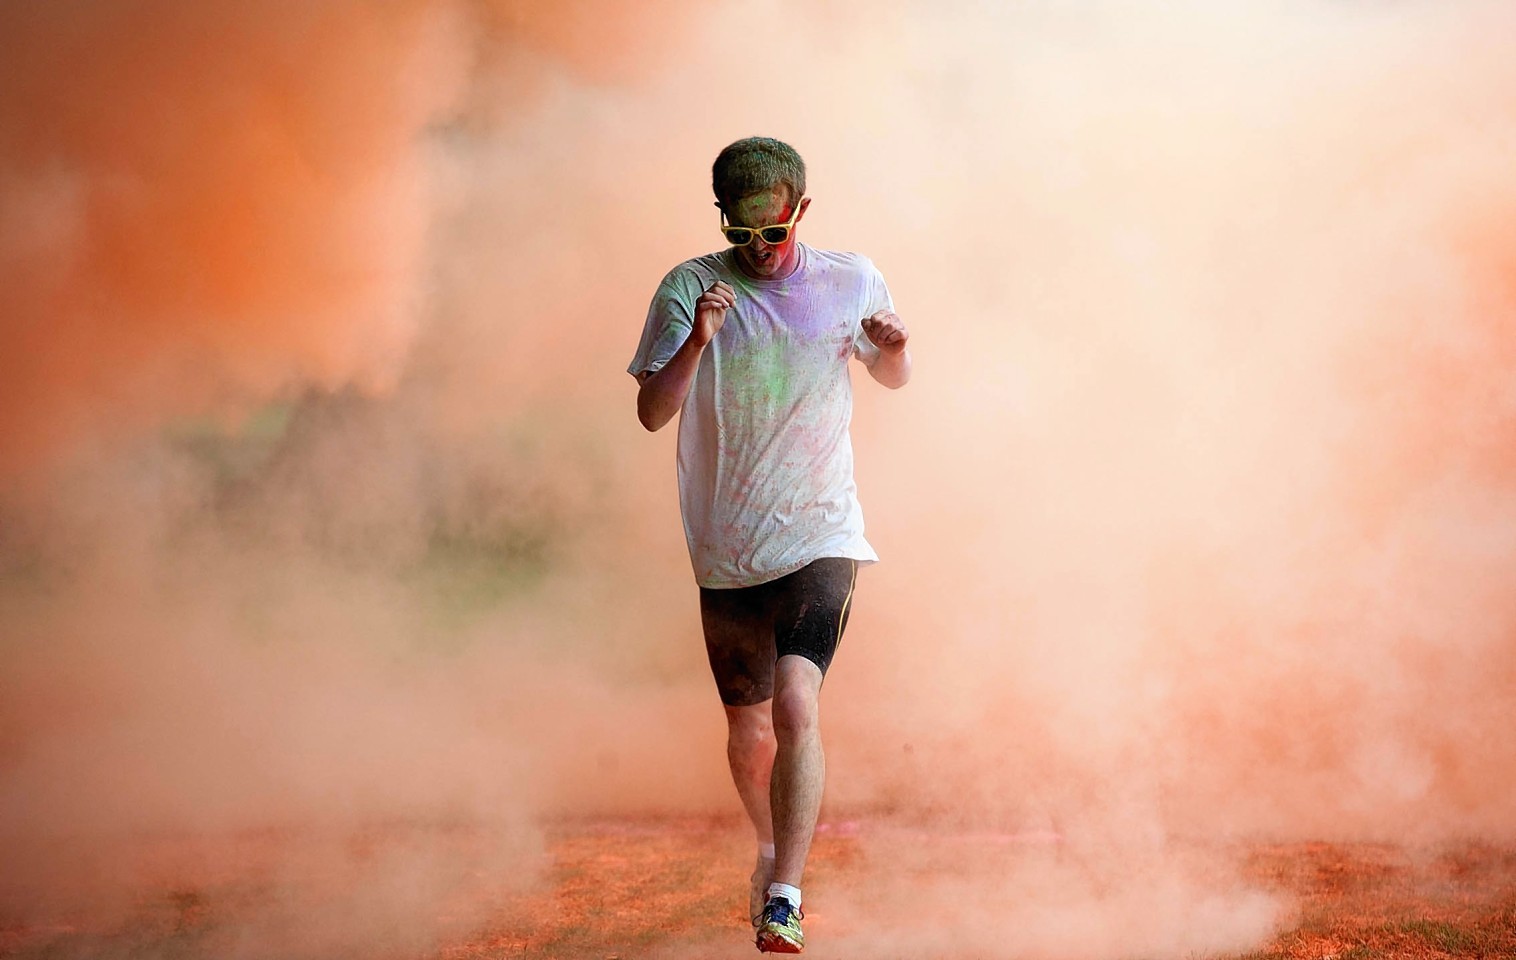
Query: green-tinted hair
x=753 y=165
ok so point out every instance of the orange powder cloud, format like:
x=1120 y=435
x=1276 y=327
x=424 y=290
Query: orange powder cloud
x=208 y=206
x=1194 y=518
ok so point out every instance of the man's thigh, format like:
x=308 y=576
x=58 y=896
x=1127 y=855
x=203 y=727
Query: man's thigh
x=748 y=629
x=739 y=641
x=811 y=610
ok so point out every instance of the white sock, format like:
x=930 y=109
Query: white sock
x=792 y=894
x=766 y=851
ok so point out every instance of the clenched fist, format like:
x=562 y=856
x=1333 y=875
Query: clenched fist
x=886 y=332
x=710 y=311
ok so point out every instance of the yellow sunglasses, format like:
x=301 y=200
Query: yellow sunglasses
x=774 y=235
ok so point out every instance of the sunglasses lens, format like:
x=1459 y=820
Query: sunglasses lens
x=774 y=234
x=739 y=236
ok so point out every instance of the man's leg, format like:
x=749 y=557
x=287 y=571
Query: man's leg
x=750 y=753
x=799 y=765
x=739 y=640
x=812 y=607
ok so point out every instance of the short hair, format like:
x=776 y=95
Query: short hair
x=753 y=165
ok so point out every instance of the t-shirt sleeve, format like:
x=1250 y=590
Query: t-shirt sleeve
x=876 y=297
x=670 y=317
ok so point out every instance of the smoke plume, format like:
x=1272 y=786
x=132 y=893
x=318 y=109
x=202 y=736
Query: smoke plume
x=331 y=553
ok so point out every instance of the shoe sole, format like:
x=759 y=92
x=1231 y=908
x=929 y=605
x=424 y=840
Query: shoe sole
x=773 y=943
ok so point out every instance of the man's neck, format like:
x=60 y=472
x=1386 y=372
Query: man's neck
x=795 y=263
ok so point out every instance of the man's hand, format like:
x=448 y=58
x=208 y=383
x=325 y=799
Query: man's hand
x=886 y=332
x=710 y=311
x=893 y=365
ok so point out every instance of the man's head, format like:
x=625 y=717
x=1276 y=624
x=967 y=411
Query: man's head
x=758 y=182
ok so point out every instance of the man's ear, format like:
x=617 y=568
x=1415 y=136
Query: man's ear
x=805 y=204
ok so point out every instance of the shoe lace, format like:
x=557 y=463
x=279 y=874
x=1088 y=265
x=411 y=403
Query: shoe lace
x=778 y=910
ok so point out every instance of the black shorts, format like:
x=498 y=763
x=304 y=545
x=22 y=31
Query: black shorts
x=747 y=629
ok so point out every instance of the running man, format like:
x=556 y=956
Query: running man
x=751 y=347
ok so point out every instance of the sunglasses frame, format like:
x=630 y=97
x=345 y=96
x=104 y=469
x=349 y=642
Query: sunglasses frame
x=754 y=232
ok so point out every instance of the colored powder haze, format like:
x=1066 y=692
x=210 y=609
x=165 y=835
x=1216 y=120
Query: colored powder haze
x=325 y=515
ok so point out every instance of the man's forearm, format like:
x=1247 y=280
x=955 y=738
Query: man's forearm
x=662 y=394
x=892 y=369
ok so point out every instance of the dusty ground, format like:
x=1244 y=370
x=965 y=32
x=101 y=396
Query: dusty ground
x=652 y=889
x=1363 y=901
x=622 y=892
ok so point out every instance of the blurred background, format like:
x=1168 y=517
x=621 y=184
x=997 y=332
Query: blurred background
x=325 y=516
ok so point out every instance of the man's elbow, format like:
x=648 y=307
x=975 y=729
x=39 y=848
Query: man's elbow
x=645 y=405
x=645 y=417
x=648 y=414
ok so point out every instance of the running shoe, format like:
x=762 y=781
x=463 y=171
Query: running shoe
x=779 y=927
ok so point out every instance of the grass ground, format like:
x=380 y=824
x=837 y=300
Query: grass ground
x=618 y=892
x=1367 y=901
x=630 y=889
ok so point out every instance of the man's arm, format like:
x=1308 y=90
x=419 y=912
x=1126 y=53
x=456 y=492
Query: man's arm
x=893 y=366
x=662 y=393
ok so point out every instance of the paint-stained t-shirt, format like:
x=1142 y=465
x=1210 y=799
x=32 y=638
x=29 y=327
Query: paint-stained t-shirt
x=765 y=458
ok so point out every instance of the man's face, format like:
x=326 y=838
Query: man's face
x=760 y=260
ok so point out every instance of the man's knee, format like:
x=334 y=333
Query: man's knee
x=796 y=711
x=748 y=728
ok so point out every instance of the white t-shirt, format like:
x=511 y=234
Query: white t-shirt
x=765 y=459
